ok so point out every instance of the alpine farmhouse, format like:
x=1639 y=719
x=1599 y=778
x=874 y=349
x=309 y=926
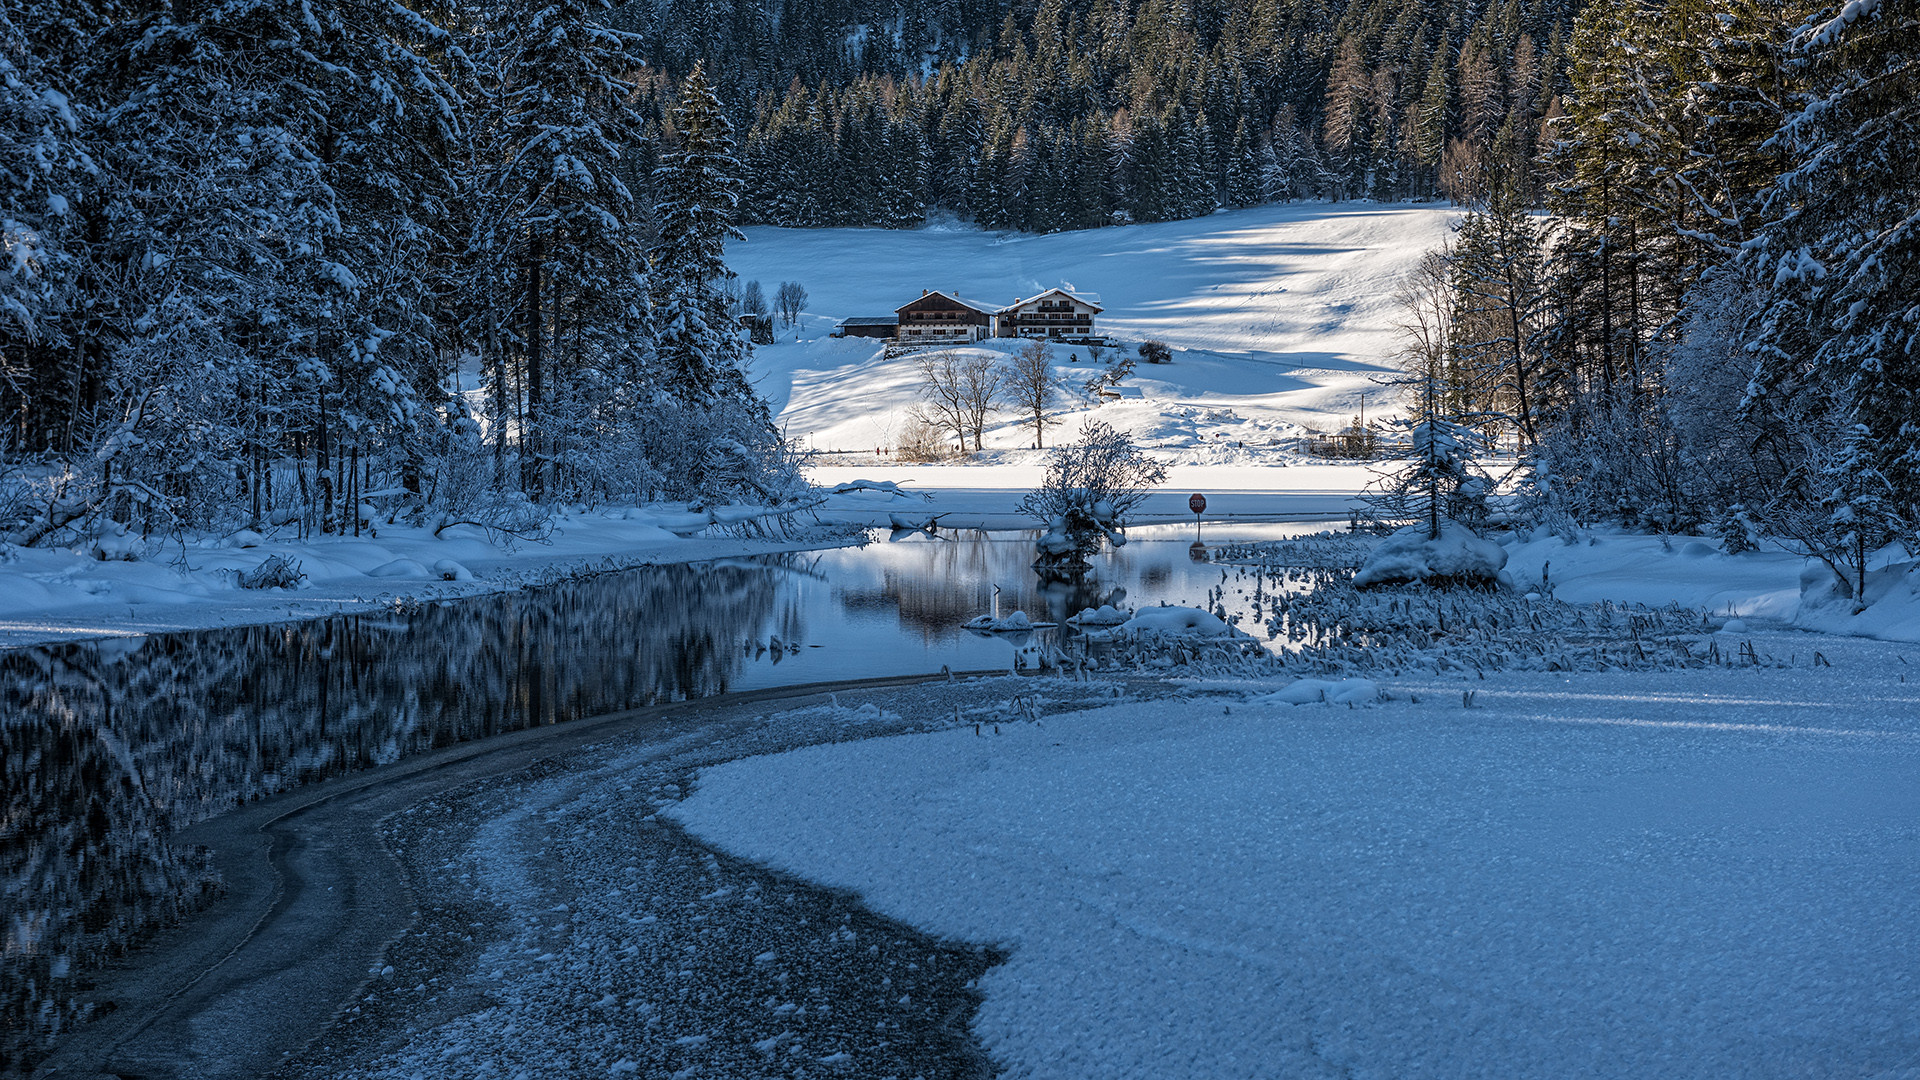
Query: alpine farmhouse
x=941 y=318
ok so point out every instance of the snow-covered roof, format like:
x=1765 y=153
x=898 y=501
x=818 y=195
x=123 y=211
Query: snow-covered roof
x=984 y=309
x=871 y=320
x=1092 y=300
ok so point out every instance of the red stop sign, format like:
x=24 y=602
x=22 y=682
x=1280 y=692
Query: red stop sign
x=1197 y=504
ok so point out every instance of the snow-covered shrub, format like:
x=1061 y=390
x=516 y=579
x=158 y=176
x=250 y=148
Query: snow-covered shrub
x=1737 y=531
x=506 y=517
x=1855 y=514
x=1180 y=621
x=274 y=572
x=1156 y=352
x=1091 y=485
x=1454 y=557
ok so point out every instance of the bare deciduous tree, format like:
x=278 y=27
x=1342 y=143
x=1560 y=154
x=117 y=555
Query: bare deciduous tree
x=961 y=391
x=940 y=393
x=979 y=392
x=789 y=299
x=1031 y=386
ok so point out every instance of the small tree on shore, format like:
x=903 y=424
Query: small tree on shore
x=1091 y=485
x=1441 y=483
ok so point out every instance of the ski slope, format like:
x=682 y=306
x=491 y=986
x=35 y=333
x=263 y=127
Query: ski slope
x=1282 y=317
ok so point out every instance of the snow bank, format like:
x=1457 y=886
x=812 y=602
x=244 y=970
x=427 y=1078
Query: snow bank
x=1891 y=610
x=987 y=494
x=1004 y=624
x=1409 y=555
x=1104 y=615
x=1769 y=584
x=52 y=594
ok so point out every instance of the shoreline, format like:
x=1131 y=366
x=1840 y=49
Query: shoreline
x=314 y=895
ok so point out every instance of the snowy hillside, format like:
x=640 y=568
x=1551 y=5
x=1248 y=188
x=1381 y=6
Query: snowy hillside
x=1278 y=315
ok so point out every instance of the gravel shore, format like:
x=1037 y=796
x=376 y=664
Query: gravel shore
x=564 y=929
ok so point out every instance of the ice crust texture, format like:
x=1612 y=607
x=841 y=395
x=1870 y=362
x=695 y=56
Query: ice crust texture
x=1653 y=875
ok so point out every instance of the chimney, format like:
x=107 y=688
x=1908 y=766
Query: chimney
x=923 y=292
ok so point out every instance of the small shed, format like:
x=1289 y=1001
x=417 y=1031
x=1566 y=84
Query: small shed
x=871 y=326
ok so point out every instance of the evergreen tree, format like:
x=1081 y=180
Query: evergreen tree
x=1842 y=258
x=44 y=167
x=558 y=240
x=1497 y=259
x=698 y=187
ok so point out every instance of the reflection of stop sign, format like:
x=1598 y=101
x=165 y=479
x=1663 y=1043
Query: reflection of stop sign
x=1197 y=504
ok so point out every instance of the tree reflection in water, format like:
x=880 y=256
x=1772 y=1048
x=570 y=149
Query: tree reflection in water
x=937 y=584
x=110 y=747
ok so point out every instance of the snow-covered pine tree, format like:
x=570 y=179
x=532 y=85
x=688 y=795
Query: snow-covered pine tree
x=1243 y=169
x=1842 y=255
x=259 y=165
x=1346 y=130
x=44 y=172
x=697 y=185
x=1496 y=263
x=560 y=242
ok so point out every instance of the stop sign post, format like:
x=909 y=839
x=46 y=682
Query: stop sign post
x=1198 y=504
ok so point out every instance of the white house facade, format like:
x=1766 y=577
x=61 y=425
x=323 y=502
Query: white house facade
x=1053 y=314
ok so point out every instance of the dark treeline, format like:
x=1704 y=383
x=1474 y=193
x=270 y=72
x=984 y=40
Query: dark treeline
x=1079 y=113
x=1715 y=324
x=273 y=263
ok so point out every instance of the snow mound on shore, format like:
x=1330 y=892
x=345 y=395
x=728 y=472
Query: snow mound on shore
x=1456 y=555
x=1318 y=691
x=1185 y=621
x=1004 y=624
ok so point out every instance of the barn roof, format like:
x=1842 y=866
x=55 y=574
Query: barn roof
x=871 y=320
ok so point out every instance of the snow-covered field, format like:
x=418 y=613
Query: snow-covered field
x=1280 y=316
x=1684 y=874
x=988 y=495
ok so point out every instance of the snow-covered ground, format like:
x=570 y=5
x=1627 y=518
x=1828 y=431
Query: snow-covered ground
x=63 y=594
x=1279 y=316
x=988 y=495
x=1679 y=874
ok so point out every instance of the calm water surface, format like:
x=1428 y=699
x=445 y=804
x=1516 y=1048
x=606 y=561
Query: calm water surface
x=108 y=748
